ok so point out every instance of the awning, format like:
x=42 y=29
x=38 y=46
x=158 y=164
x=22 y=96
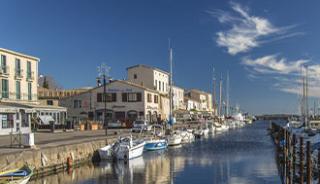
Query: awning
x=46 y=119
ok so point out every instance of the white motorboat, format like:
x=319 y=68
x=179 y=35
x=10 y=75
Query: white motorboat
x=205 y=131
x=187 y=136
x=126 y=148
x=105 y=153
x=198 y=133
x=211 y=127
x=174 y=139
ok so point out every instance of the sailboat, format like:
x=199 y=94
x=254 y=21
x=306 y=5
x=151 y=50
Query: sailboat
x=174 y=138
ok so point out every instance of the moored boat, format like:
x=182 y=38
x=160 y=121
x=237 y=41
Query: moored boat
x=155 y=144
x=105 y=153
x=174 y=139
x=186 y=136
x=17 y=176
x=126 y=148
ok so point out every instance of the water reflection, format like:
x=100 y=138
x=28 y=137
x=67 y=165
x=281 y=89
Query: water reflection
x=234 y=157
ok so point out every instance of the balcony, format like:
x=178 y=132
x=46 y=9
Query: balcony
x=4 y=71
x=30 y=76
x=18 y=74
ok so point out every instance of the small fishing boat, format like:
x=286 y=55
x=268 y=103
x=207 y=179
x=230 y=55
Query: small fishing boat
x=186 y=136
x=105 y=153
x=17 y=176
x=174 y=139
x=155 y=144
x=126 y=148
x=205 y=131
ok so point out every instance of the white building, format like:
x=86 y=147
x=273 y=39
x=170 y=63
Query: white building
x=199 y=99
x=178 y=98
x=150 y=77
x=18 y=97
x=125 y=101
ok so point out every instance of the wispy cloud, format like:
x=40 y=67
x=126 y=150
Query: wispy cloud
x=285 y=74
x=247 y=31
x=274 y=64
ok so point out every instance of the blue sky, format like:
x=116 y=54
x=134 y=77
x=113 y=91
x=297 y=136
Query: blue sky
x=262 y=44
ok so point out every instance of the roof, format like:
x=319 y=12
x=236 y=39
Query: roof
x=22 y=105
x=19 y=54
x=120 y=81
x=149 y=67
x=197 y=91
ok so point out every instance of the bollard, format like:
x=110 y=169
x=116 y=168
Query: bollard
x=308 y=163
x=301 y=161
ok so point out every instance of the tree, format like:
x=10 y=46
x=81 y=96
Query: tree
x=45 y=83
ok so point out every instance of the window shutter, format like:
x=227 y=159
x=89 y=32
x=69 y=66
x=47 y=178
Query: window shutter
x=124 y=97
x=138 y=97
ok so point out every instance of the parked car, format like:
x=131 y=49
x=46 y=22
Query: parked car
x=139 y=125
x=115 y=124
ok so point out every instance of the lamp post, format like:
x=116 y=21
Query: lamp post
x=103 y=72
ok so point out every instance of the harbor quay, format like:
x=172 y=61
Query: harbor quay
x=55 y=151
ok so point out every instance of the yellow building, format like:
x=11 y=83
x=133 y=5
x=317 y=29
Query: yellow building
x=19 y=94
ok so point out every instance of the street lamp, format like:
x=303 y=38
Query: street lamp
x=103 y=73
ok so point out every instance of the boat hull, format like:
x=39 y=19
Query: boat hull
x=155 y=145
x=174 y=140
x=126 y=153
x=105 y=153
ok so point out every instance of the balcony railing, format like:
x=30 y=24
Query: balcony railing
x=18 y=74
x=30 y=76
x=4 y=70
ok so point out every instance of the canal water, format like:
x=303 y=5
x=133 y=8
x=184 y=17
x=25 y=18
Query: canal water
x=240 y=156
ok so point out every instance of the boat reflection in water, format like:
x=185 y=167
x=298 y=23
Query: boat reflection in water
x=234 y=157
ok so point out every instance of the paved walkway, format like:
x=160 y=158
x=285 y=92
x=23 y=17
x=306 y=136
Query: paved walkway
x=46 y=139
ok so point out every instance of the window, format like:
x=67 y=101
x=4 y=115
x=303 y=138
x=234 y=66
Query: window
x=135 y=76
x=5 y=88
x=134 y=97
x=156 y=99
x=18 y=67
x=149 y=97
x=156 y=84
x=29 y=91
x=25 y=120
x=99 y=97
x=18 y=90
x=4 y=63
x=124 y=97
x=162 y=86
x=111 y=97
x=28 y=69
x=159 y=85
x=7 y=120
x=49 y=102
x=76 y=104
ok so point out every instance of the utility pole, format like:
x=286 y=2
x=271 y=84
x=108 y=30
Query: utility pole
x=103 y=73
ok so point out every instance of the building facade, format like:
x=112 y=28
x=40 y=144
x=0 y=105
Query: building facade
x=150 y=77
x=125 y=101
x=199 y=99
x=19 y=104
x=178 y=98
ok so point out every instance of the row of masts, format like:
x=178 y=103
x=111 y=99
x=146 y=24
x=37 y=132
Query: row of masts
x=305 y=96
x=218 y=110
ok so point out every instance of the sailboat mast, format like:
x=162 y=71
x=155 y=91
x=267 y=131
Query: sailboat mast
x=170 y=82
x=227 y=94
x=306 y=98
x=220 y=96
x=214 y=91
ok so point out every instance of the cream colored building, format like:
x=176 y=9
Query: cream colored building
x=150 y=77
x=199 y=99
x=178 y=98
x=18 y=97
x=126 y=101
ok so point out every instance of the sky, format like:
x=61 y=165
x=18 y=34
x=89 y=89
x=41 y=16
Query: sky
x=262 y=44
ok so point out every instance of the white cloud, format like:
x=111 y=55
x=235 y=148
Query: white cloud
x=273 y=64
x=286 y=75
x=246 y=31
